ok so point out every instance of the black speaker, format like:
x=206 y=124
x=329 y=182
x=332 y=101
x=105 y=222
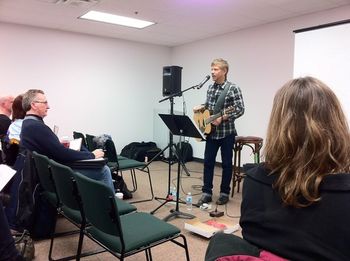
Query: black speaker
x=171 y=80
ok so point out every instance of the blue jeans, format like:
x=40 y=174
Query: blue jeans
x=103 y=175
x=211 y=149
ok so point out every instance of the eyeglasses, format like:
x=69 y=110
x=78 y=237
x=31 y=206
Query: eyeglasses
x=44 y=102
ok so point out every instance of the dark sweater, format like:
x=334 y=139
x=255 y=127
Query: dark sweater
x=36 y=136
x=318 y=232
x=5 y=122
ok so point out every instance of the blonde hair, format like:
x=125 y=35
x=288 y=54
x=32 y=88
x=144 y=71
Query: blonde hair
x=308 y=138
x=223 y=64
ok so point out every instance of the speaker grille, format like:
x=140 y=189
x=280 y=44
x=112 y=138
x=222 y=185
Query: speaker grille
x=171 y=80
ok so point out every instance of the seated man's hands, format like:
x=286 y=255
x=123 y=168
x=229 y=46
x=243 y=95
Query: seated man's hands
x=98 y=153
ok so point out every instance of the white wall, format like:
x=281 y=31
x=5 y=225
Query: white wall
x=261 y=60
x=101 y=85
x=94 y=85
x=324 y=53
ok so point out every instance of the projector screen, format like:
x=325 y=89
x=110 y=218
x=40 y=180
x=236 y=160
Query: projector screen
x=324 y=52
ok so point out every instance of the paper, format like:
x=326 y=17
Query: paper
x=75 y=144
x=6 y=173
x=92 y=160
x=210 y=227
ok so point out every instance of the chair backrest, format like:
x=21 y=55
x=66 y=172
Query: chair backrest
x=103 y=215
x=110 y=151
x=77 y=135
x=42 y=165
x=90 y=142
x=63 y=178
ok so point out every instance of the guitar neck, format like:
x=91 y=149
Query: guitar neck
x=213 y=117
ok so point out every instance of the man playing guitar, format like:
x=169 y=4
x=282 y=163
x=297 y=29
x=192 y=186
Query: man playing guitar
x=225 y=100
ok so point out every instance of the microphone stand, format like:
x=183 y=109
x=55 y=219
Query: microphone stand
x=174 y=213
x=178 y=93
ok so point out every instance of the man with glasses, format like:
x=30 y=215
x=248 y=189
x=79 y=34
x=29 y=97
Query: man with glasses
x=36 y=136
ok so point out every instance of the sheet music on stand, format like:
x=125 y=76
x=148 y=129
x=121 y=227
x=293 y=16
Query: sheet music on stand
x=182 y=125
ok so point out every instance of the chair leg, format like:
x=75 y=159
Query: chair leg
x=60 y=234
x=80 y=242
x=134 y=180
x=150 y=254
x=52 y=238
x=234 y=175
x=239 y=177
x=150 y=184
x=186 y=247
x=147 y=254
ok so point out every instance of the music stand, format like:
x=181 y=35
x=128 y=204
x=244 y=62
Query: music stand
x=180 y=125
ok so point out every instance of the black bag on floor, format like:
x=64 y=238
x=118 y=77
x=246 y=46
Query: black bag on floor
x=186 y=151
x=120 y=186
x=24 y=245
x=139 y=150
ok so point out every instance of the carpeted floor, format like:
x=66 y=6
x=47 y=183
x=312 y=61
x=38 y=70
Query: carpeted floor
x=168 y=251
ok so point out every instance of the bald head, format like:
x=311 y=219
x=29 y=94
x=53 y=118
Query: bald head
x=6 y=105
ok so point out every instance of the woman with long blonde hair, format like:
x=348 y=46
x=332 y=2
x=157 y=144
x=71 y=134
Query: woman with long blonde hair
x=297 y=203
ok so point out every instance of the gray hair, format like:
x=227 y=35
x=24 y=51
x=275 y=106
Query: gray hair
x=29 y=97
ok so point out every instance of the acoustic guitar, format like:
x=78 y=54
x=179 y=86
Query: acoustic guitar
x=203 y=119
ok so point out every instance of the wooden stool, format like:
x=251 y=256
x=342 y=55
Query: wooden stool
x=255 y=143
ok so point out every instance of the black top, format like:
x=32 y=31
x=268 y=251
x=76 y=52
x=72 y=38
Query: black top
x=318 y=232
x=36 y=136
x=5 y=122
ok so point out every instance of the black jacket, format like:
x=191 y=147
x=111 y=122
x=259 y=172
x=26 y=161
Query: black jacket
x=318 y=232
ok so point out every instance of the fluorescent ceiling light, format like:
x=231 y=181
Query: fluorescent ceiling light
x=116 y=19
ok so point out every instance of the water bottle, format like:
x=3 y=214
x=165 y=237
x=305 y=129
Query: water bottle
x=173 y=193
x=189 y=201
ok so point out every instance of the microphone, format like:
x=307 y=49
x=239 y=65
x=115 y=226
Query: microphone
x=203 y=82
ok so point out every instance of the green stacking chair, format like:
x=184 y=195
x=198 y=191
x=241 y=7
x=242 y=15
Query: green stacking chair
x=111 y=152
x=119 y=165
x=43 y=171
x=43 y=168
x=125 y=235
x=70 y=199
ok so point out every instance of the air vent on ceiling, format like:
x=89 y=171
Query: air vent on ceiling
x=50 y=1
x=79 y=2
x=71 y=2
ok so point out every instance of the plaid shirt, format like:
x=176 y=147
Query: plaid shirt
x=233 y=98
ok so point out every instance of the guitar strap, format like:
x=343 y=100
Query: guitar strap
x=221 y=100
